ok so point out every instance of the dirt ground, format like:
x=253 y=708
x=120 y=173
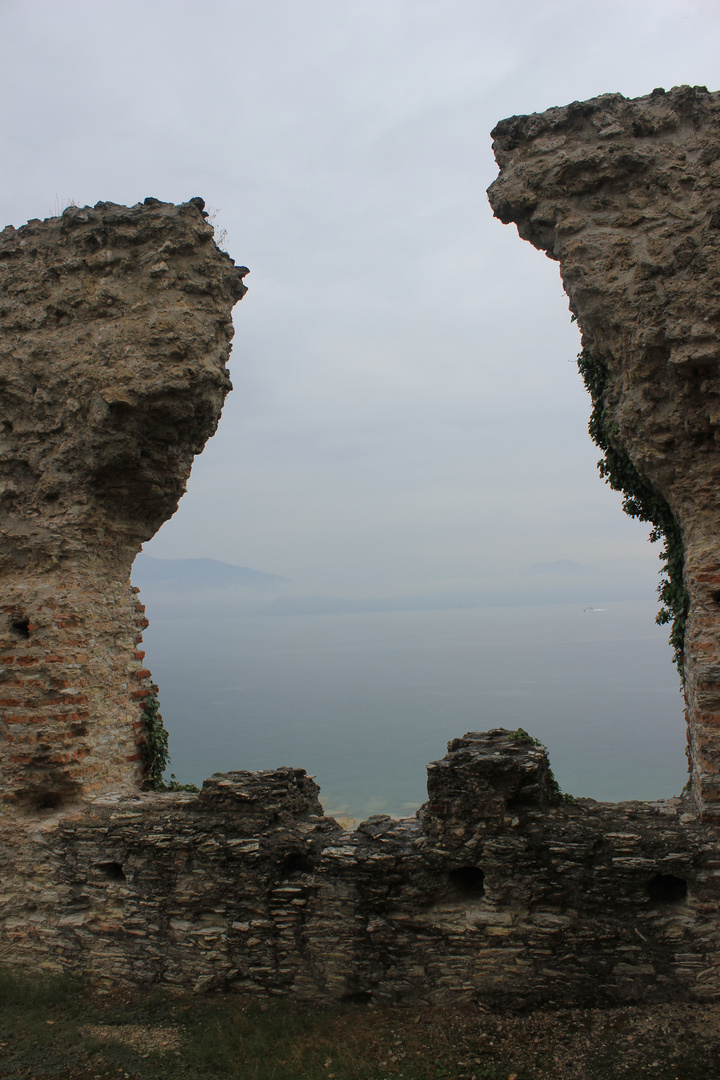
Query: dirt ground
x=85 y=1035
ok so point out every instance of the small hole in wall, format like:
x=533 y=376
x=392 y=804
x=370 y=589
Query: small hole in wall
x=48 y=787
x=21 y=627
x=296 y=863
x=667 y=889
x=47 y=800
x=715 y=596
x=111 y=870
x=467 y=881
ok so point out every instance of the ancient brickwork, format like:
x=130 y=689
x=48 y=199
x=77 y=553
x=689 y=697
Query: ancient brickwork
x=626 y=195
x=73 y=683
x=115 y=335
x=493 y=892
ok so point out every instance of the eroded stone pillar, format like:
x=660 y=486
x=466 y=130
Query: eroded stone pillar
x=625 y=194
x=115 y=331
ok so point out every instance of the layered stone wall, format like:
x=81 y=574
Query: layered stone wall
x=115 y=332
x=494 y=892
x=625 y=194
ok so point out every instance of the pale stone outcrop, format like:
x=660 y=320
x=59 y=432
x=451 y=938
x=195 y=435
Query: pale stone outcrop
x=625 y=194
x=114 y=335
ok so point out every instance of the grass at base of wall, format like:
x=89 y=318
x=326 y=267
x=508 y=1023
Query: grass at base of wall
x=54 y=1028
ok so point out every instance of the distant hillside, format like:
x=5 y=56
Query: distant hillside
x=199 y=574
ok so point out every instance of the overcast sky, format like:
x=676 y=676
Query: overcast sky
x=407 y=416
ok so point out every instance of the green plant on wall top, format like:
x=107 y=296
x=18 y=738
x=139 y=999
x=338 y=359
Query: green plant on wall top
x=640 y=501
x=156 y=756
x=520 y=735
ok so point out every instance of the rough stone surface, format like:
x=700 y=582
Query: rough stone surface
x=625 y=194
x=114 y=334
x=248 y=887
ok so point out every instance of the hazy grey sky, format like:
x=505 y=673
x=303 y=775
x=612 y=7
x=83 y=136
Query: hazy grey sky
x=406 y=414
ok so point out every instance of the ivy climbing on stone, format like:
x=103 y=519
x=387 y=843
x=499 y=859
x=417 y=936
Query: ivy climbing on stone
x=640 y=501
x=156 y=756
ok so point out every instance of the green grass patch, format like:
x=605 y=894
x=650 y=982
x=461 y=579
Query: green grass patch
x=54 y=1029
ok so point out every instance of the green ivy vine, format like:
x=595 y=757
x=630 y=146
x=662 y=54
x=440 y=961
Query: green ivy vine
x=640 y=501
x=520 y=735
x=156 y=756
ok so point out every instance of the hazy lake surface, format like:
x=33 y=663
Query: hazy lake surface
x=365 y=701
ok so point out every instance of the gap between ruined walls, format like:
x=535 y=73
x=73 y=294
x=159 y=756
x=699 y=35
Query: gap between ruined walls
x=497 y=890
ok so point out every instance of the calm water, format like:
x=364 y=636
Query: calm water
x=364 y=701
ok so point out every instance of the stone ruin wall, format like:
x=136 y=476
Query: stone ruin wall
x=115 y=335
x=494 y=893
x=116 y=330
x=626 y=196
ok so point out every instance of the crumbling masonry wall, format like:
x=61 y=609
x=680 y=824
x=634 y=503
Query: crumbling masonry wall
x=625 y=194
x=115 y=331
x=494 y=892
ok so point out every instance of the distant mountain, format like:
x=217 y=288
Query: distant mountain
x=559 y=568
x=200 y=574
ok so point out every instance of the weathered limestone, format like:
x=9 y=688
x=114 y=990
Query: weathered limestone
x=626 y=196
x=493 y=892
x=115 y=331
